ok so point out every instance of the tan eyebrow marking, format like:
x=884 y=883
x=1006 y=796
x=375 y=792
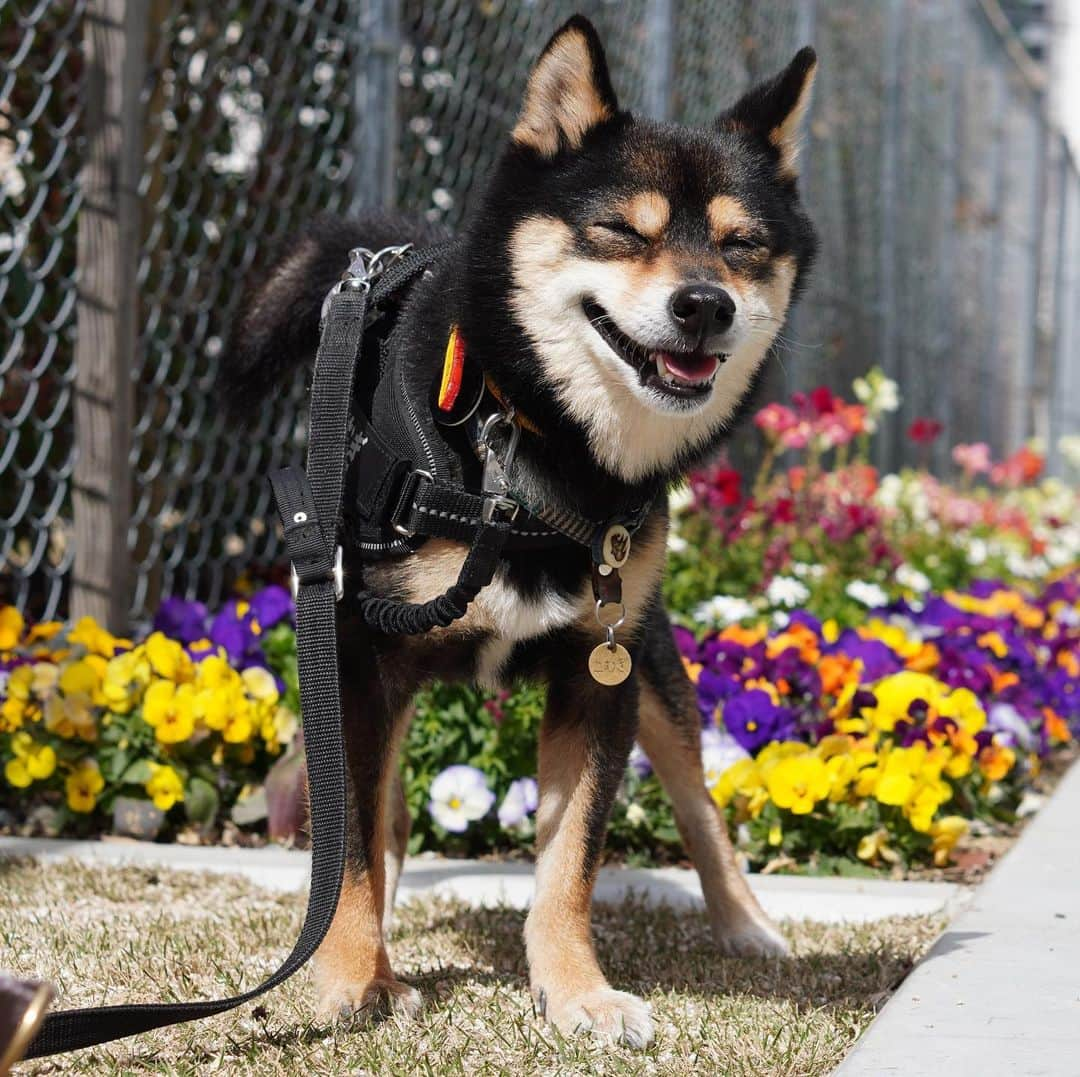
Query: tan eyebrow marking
x=647 y=213
x=726 y=214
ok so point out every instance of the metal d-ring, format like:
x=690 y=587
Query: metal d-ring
x=610 y=625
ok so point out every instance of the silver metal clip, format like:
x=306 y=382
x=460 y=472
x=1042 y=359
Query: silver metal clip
x=365 y=267
x=495 y=484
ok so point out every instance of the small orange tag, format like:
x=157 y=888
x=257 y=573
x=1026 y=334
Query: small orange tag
x=453 y=367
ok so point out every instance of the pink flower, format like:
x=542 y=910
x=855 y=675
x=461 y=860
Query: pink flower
x=973 y=459
x=774 y=420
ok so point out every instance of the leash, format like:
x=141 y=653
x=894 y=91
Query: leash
x=310 y=507
x=309 y=503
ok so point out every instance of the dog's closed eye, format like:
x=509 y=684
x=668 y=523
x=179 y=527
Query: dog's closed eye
x=621 y=228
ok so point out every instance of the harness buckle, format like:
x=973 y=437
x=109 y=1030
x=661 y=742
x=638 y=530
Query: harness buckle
x=336 y=574
x=408 y=493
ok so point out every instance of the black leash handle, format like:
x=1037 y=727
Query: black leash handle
x=312 y=544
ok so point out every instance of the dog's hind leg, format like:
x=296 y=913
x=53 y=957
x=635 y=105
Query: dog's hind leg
x=398 y=826
x=352 y=968
x=585 y=741
x=669 y=732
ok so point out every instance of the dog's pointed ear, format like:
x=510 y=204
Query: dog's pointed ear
x=775 y=109
x=569 y=91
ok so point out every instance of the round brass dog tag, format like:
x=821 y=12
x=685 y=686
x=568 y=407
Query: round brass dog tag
x=610 y=665
x=616 y=546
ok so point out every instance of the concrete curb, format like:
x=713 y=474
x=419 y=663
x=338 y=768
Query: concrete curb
x=999 y=992
x=485 y=883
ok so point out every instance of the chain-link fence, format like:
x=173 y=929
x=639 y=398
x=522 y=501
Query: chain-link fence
x=949 y=214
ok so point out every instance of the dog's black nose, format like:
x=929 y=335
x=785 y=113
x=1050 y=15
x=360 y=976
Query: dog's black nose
x=702 y=310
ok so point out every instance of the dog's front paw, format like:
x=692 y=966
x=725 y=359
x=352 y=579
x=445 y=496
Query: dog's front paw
x=614 y=1016
x=751 y=939
x=378 y=998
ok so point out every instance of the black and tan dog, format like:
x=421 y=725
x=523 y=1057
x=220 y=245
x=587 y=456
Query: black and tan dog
x=620 y=282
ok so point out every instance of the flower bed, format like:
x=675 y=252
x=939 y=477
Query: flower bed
x=880 y=663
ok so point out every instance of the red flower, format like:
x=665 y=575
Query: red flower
x=822 y=401
x=728 y=484
x=924 y=431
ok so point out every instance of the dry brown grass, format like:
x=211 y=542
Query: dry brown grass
x=107 y=935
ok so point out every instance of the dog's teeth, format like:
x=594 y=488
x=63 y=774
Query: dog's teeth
x=661 y=366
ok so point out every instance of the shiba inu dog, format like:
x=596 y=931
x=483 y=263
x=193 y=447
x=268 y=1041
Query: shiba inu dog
x=620 y=283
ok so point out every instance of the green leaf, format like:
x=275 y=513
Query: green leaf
x=139 y=773
x=201 y=801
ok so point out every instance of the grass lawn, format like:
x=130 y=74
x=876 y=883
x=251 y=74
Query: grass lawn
x=132 y=934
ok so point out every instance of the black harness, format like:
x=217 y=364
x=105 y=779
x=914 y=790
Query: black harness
x=384 y=461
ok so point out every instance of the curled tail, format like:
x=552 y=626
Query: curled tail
x=277 y=328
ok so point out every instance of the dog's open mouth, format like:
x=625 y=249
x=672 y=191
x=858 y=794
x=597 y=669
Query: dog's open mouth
x=682 y=375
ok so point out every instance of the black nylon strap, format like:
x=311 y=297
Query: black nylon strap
x=320 y=691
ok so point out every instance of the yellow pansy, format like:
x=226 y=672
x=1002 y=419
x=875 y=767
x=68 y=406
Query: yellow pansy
x=286 y=723
x=33 y=762
x=71 y=716
x=83 y=785
x=239 y=727
x=170 y=709
x=11 y=627
x=776 y=834
x=43 y=678
x=740 y=778
x=797 y=783
x=963 y=706
x=944 y=834
x=259 y=683
x=165 y=786
x=97 y=640
x=83 y=678
x=125 y=680
x=44 y=631
x=168 y=659
x=896 y=693
x=20 y=683
x=875 y=846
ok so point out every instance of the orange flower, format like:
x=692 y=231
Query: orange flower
x=744 y=637
x=797 y=637
x=995 y=761
x=837 y=671
x=1056 y=727
x=1000 y=681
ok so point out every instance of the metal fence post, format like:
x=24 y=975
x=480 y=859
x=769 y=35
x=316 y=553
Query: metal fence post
x=660 y=35
x=375 y=128
x=108 y=247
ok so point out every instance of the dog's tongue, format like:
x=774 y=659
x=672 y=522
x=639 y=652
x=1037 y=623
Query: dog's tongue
x=690 y=366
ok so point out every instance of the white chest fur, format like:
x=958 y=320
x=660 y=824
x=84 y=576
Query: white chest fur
x=513 y=618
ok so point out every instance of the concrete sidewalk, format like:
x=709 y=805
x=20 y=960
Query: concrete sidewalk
x=999 y=992
x=481 y=883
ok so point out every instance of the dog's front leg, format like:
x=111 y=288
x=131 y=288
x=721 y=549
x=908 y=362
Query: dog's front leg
x=585 y=740
x=352 y=968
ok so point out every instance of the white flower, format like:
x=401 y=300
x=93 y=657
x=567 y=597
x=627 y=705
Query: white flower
x=459 y=796
x=519 y=803
x=719 y=750
x=878 y=392
x=680 y=499
x=977 y=551
x=869 y=594
x=786 y=591
x=676 y=543
x=1006 y=720
x=635 y=815
x=803 y=569
x=910 y=577
x=724 y=610
x=1069 y=447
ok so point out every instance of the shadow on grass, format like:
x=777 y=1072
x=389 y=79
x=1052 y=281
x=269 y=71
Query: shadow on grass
x=644 y=948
